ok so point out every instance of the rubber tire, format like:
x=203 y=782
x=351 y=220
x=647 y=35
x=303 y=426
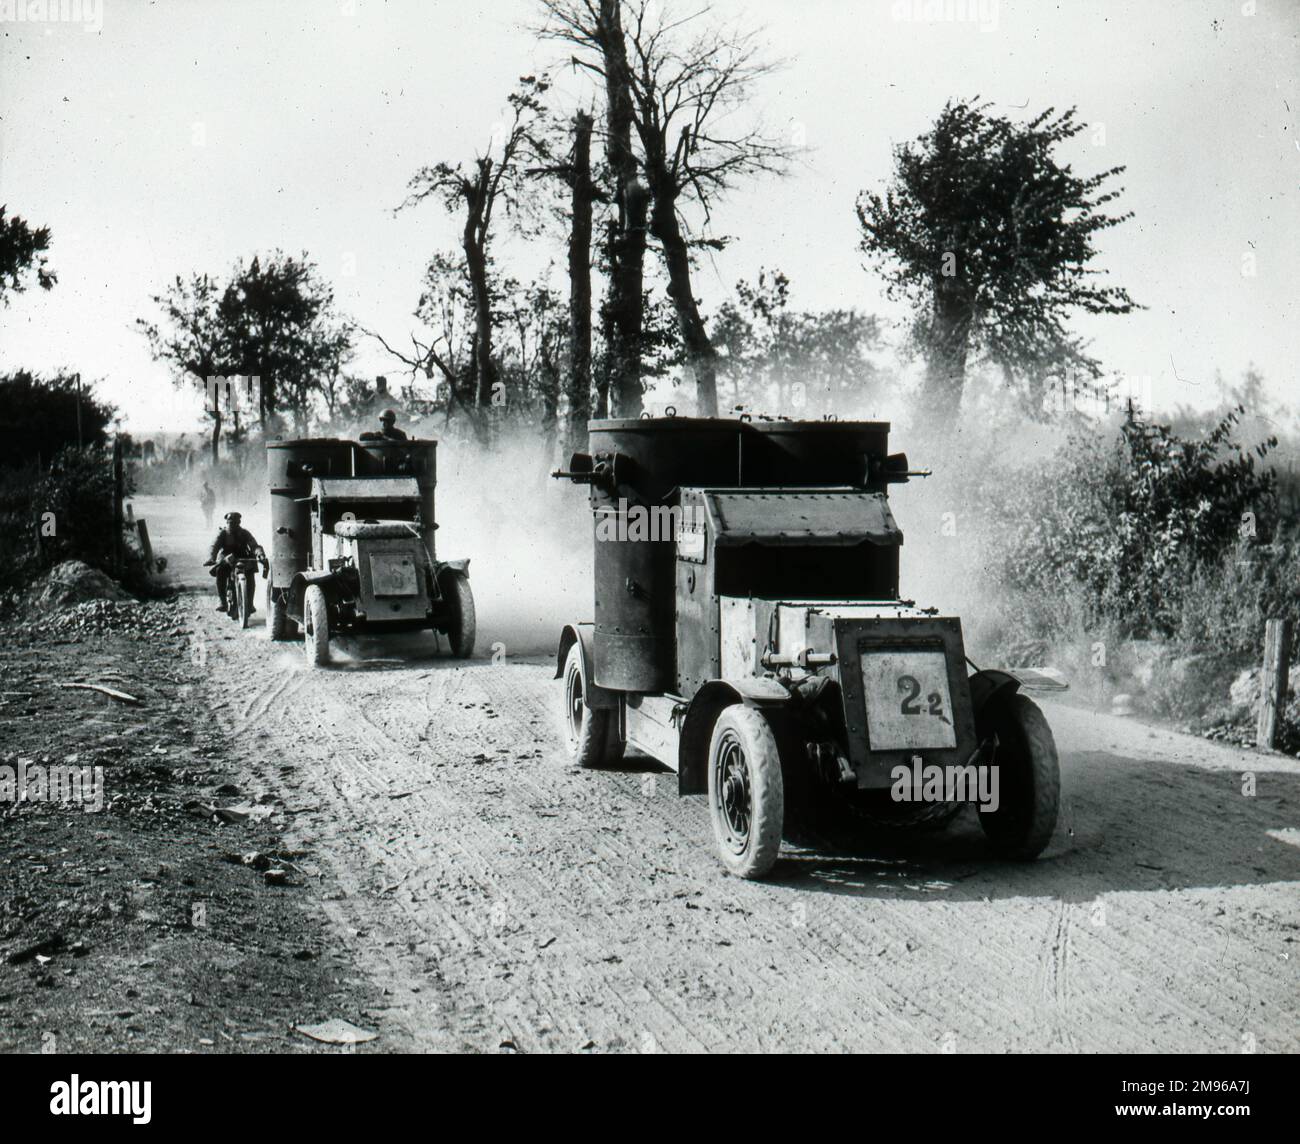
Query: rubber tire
x=244 y=598
x=1029 y=783
x=316 y=627
x=593 y=737
x=753 y=734
x=280 y=625
x=462 y=624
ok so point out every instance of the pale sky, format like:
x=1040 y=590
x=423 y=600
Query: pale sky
x=164 y=138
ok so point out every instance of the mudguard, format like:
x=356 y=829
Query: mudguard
x=461 y=566
x=697 y=724
x=331 y=583
x=581 y=634
x=989 y=690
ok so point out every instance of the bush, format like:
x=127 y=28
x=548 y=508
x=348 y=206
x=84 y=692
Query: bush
x=1130 y=522
x=1135 y=559
x=77 y=493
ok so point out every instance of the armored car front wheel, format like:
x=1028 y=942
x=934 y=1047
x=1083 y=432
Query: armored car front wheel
x=593 y=731
x=746 y=791
x=1029 y=782
x=281 y=626
x=316 y=627
x=461 y=621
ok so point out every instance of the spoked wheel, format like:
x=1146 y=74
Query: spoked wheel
x=462 y=625
x=593 y=731
x=244 y=599
x=746 y=792
x=1029 y=781
x=316 y=627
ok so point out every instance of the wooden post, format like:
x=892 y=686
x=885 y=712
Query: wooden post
x=146 y=545
x=119 y=495
x=1272 y=681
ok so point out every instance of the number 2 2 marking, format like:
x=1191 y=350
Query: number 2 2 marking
x=911 y=689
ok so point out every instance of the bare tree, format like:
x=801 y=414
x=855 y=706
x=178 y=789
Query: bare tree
x=680 y=84
x=476 y=190
x=595 y=27
x=689 y=81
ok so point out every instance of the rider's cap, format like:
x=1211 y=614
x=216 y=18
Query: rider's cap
x=388 y=415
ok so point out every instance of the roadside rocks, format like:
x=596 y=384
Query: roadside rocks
x=158 y=619
x=75 y=582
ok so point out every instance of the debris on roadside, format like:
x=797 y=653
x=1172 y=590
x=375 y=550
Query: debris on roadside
x=111 y=692
x=337 y=1031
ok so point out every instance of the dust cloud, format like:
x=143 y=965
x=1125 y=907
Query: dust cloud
x=528 y=538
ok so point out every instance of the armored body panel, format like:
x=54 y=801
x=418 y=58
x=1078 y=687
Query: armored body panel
x=412 y=458
x=639 y=468
x=291 y=466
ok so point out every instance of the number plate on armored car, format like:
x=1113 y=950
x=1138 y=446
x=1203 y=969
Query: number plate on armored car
x=393 y=574
x=908 y=702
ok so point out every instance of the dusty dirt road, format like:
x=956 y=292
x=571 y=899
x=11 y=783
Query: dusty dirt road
x=503 y=898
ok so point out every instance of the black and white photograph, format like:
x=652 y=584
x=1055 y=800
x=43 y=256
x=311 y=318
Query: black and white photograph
x=657 y=527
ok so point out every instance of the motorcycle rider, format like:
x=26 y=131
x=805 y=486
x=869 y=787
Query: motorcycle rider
x=233 y=543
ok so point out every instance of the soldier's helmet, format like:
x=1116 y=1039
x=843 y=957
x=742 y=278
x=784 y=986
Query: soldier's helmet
x=233 y=518
x=387 y=417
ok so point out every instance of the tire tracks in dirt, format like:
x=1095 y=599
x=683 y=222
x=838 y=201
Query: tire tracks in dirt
x=504 y=897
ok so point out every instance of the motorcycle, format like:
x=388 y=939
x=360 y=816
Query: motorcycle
x=243 y=584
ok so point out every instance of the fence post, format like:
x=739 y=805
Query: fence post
x=146 y=546
x=1273 y=681
x=119 y=495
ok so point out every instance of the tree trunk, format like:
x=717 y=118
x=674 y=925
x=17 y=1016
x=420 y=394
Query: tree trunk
x=579 y=388
x=483 y=363
x=628 y=302
x=625 y=304
x=700 y=353
x=945 y=372
x=216 y=435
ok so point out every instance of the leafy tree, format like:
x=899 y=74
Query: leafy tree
x=991 y=238
x=804 y=362
x=22 y=249
x=193 y=339
x=273 y=320
x=279 y=318
x=39 y=417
